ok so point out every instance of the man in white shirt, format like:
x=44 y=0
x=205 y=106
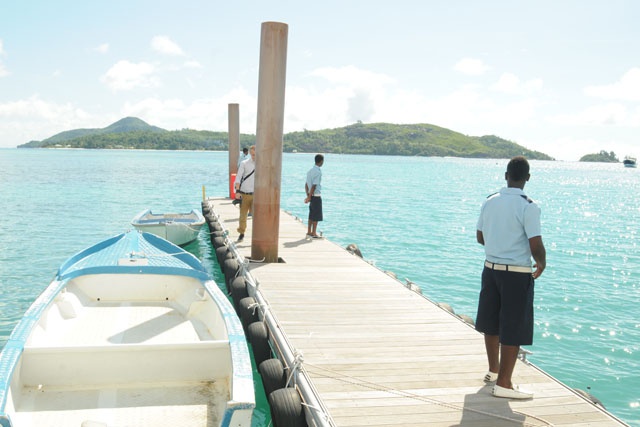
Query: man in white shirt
x=312 y=187
x=244 y=185
x=509 y=229
x=244 y=155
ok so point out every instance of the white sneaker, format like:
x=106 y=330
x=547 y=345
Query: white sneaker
x=511 y=393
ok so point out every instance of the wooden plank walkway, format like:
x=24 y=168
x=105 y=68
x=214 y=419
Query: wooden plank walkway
x=379 y=354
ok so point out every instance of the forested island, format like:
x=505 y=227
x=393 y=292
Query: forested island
x=602 y=156
x=359 y=138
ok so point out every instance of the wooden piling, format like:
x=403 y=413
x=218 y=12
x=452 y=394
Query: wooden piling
x=234 y=141
x=271 y=89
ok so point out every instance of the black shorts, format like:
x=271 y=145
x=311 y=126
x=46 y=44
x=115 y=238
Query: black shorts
x=505 y=307
x=315 y=209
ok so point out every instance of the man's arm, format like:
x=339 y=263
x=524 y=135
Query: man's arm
x=480 y=237
x=309 y=191
x=539 y=254
x=238 y=179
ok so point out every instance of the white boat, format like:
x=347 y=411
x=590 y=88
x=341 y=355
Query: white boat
x=131 y=332
x=178 y=228
x=629 y=162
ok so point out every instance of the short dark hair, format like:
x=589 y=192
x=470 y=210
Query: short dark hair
x=518 y=168
x=245 y=150
x=319 y=158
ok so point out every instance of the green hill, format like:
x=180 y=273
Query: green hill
x=128 y=124
x=359 y=138
x=405 y=140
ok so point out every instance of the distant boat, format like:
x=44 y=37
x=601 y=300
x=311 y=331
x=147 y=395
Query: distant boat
x=178 y=228
x=629 y=162
x=130 y=331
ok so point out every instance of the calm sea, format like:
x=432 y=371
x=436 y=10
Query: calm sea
x=413 y=216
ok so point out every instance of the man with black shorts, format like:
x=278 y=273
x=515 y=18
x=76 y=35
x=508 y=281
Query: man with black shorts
x=509 y=229
x=312 y=187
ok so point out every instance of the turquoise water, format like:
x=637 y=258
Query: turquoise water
x=413 y=216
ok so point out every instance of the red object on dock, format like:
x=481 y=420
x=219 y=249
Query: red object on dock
x=232 y=188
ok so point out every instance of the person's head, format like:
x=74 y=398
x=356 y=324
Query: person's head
x=517 y=173
x=319 y=159
x=245 y=150
x=252 y=150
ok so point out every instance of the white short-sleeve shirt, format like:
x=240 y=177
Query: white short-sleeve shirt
x=508 y=219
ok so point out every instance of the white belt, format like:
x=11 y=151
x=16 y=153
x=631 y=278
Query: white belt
x=504 y=267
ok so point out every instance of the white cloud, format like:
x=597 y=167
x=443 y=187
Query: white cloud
x=626 y=89
x=125 y=75
x=470 y=66
x=510 y=84
x=352 y=76
x=344 y=96
x=35 y=119
x=166 y=46
x=103 y=48
x=612 y=114
x=192 y=64
x=1 y=48
x=198 y=114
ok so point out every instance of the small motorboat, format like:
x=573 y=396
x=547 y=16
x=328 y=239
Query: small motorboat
x=131 y=331
x=629 y=162
x=178 y=228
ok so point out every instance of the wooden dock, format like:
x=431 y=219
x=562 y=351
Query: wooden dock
x=376 y=353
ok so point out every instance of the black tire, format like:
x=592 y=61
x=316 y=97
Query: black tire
x=467 y=319
x=218 y=242
x=231 y=268
x=273 y=376
x=591 y=398
x=217 y=233
x=238 y=291
x=247 y=314
x=286 y=408
x=259 y=339
x=212 y=220
x=353 y=249
x=221 y=254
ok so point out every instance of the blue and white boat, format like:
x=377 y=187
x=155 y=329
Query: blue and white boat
x=131 y=331
x=629 y=162
x=178 y=228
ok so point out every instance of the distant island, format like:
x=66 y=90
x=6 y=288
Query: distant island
x=602 y=156
x=359 y=138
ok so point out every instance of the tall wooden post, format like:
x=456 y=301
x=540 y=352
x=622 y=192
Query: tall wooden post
x=266 y=196
x=234 y=141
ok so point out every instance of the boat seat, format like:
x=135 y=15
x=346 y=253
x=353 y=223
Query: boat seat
x=125 y=363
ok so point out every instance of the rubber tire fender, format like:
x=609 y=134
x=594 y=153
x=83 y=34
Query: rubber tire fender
x=218 y=242
x=247 y=314
x=259 y=339
x=273 y=375
x=231 y=268
x=286 y=408
x=221 y=254
x=238 y=291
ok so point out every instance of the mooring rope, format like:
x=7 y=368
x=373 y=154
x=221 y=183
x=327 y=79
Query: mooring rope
x=328 y=373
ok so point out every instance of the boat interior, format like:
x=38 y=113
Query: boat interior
x=107 y=352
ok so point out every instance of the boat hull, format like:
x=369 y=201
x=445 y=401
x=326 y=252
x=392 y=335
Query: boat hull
x=629 y=162
x=178 y=228
x=145 y=336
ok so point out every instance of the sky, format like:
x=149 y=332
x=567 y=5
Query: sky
x=557 y=76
